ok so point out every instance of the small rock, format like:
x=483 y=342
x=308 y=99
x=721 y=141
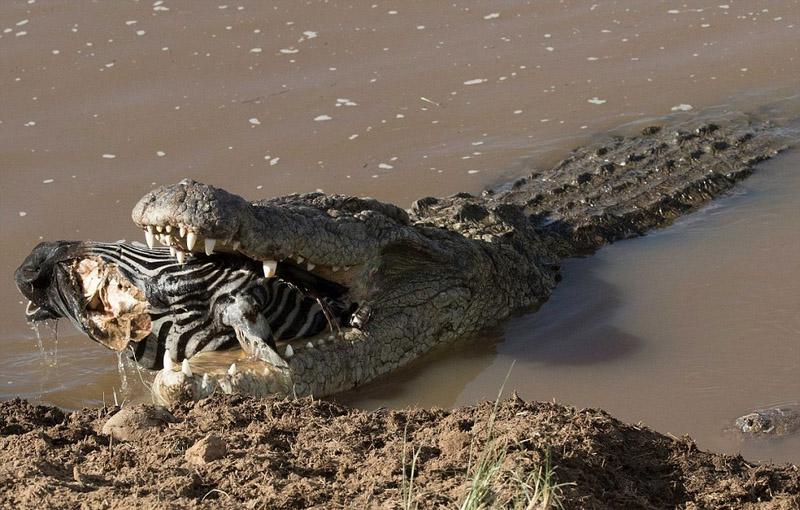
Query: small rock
x=132 y=423
x=208 y=449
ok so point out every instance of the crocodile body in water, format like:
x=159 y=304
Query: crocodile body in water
x=412 y=279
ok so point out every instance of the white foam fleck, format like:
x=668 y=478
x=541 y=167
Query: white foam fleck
x=23 y=22
x=274 y=161
x=420 y=27
x=385 y=166
x=322 y=117
x=473 y=171
x=673 y=11
x=591 y=58
x=288 y=51
x=352 y=137
x=48 y=181
x=56 y=52
x=30 y=123
x=131 y=22
x=255 y=50
x=310 y=34
x=21 y=33
x=254 y=121
x=517 y=112
x=492 y=15
x=476 y=81
x=22 y=214
x=400 y=116
x=109 y=156
x=161 y=154
x=681 y=108
x=596 y=100
x=140 y=32
x=477 y=143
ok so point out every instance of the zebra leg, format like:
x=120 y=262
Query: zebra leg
x=243 y=314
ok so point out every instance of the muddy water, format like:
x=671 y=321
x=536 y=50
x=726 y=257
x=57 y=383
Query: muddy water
x=681 y=330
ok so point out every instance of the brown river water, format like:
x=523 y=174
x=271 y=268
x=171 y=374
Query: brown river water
x=682 y=330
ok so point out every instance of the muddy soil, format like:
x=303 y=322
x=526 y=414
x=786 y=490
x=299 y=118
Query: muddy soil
x=242 y=452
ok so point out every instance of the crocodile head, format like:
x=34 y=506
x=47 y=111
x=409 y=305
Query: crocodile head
x=401 y=287
x=414 y=284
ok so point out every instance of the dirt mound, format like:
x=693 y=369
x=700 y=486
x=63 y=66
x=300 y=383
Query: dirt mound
x=242 y=452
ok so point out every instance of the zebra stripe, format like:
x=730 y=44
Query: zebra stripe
x=186 y=301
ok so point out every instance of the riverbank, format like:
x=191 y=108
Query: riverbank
x=242 y=452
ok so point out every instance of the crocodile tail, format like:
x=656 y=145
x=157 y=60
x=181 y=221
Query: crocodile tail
x=628 y=185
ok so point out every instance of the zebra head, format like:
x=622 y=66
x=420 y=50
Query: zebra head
x=160 y=310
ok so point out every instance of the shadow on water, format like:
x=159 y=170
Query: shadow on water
x=571 y=328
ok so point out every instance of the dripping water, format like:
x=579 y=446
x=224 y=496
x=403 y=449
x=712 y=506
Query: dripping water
x=47 y=341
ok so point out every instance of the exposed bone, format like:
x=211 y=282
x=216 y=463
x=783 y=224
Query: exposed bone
x=270 y=267
x=115 y=311
x=232 y=370
x=289 y=351
x=185 y=368
x=191 y=239
x=209 y=245
x=310 y=266
x=168 y=361
x=150 y=237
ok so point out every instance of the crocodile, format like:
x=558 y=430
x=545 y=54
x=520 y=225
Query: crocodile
x=418 y=278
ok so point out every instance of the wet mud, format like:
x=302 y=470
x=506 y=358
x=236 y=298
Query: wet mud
x=240 y=452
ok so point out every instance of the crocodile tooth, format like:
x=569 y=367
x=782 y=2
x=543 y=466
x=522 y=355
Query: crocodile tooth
x=168 y=228
x=232 y=370
x=185 y=368
x=181 y=256
x=182 y=231
x=191 y=238
x=300 y=259
x=289 y=351
x=172 y=251
x=159 y=228
x=167 y=361
x=206 y=382
x=168 y=240
x=309 y=345
x=210 y=243
x=236 y=244
x=150 y=237
x=310 y=266
x=335 y=269
x=269 y=268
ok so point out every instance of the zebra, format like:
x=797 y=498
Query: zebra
x=204 y=303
